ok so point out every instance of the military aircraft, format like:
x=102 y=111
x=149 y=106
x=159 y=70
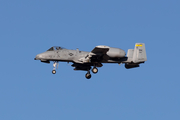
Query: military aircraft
x=100 y=54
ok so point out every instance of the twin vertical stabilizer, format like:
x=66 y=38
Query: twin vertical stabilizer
x=136 y=56
x=139 y=53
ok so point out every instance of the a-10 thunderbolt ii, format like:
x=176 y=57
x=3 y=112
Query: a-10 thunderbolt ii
x=100 y=54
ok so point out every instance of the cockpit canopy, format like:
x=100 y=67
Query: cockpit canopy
x=55 y=48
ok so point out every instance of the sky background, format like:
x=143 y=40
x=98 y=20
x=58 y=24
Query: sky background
x=28 y=89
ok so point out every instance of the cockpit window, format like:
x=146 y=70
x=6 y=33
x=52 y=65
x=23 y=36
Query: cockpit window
x=58 y=48
x=55 y=48
x=50 y=49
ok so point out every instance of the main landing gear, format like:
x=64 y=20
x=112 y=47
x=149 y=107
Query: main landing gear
x=88 y=74
x=94 y=70
x=55 y=65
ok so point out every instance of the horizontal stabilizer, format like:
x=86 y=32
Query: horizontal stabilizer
x=128 y=66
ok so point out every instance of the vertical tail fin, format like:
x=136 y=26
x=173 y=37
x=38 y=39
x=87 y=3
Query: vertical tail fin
x=136 y=56
x=139 y=54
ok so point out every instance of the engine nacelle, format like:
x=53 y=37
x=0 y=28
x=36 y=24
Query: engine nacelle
x=116 y=53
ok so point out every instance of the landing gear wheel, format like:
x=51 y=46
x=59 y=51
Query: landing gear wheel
x=88 y=75
x=54 y=72
x=94 y=70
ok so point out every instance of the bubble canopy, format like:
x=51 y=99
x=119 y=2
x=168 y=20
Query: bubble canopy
x=55 y=48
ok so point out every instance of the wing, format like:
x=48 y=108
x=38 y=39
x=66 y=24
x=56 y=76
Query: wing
x=100 y=49
x=95 y=55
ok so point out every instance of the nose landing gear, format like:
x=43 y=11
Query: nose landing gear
x=55 y=65
x=53 y=71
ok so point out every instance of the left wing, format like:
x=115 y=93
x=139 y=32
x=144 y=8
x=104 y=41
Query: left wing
x=97 y=52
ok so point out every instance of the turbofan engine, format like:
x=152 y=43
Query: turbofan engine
x=116 y=53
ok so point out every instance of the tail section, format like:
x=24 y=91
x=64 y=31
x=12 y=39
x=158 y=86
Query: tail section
x=136 y=56
x=139 y=54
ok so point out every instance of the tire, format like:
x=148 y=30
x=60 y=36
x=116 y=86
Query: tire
x=53 y=71
x=88 y=76
x=95 y=70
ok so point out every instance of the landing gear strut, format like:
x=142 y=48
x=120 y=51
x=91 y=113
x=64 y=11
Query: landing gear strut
x=55 y=65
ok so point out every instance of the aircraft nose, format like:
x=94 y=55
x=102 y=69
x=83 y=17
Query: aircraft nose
x=38 y=57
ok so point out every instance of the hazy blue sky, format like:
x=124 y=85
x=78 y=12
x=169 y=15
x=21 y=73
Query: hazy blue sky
x=29 y=91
